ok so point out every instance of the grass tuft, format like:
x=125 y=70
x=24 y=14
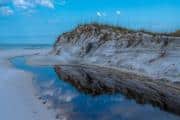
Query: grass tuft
x=177 y=33
x=87 y=27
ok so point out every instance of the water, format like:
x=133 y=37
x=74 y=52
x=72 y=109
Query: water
x=74 y=105
x=24 y=46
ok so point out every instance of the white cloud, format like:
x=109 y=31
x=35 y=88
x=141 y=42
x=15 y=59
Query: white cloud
x=101 y=14
x=118 y=12
x=26 y=4
x=98 y=14
x=46 y=3
x=7 y=11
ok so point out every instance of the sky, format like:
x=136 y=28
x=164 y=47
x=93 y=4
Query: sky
x=42 y=21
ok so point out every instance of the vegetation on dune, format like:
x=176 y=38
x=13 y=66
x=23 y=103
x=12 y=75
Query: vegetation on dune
x=177 y=33
x=97 y=28
x=127 y=30
x=108 y=26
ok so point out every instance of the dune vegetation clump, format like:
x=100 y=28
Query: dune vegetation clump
x=177 y=33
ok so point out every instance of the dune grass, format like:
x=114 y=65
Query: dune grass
x=116 y=28
x=177 y=33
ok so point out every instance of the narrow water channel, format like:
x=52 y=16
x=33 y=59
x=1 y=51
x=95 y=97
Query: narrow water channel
x=72 y=104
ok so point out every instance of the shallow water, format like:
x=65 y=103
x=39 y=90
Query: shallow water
x=74 y=105
x=24 y=46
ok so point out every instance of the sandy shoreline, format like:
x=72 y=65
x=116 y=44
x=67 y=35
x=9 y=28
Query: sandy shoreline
x=17 y=93
x=18 y=100
x=159 y=91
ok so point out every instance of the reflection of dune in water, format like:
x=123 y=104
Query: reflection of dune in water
x=71 y=104
x=96 y=81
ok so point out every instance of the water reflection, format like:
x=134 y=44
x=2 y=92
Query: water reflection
x=70 y=104
x=95 y=80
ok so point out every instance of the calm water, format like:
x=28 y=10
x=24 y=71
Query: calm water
x=24 y=46
x=74 y=105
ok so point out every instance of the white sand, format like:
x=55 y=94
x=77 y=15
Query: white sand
x=17 y=94
x=167 y=67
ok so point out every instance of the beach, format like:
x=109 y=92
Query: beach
x=32 y=88
x=18 y=97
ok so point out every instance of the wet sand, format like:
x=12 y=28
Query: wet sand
x=18 y=96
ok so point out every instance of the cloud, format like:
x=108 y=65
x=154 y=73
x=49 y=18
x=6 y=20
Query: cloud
x=98 y=14
x=6 y=11
x=118 y=12
x=101 y=14
x=46 y=3
x=26 y=4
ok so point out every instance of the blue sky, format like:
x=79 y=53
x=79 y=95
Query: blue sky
x=41 y=21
